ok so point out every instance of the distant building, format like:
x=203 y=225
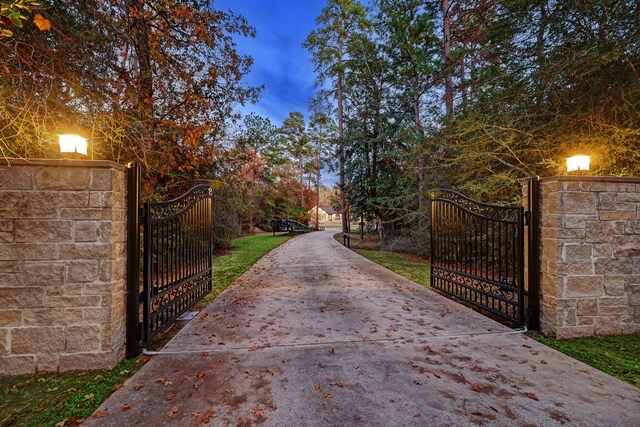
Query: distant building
x=326 y=213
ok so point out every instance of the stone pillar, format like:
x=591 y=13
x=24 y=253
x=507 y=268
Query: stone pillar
x=62 y=265
x=590 y=256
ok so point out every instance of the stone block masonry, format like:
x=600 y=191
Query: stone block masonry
x=590 y=256
x=62 y=265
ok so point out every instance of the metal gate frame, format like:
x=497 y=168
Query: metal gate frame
x=177 y=252
x=478 y=254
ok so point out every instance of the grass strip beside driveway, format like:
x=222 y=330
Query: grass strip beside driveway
x=59 y=400
x=618 y=356
x=413 y=268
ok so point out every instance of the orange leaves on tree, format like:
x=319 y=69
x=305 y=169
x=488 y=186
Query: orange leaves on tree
x=41 y=22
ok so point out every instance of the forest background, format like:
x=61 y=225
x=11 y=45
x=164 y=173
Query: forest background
x=474 y=95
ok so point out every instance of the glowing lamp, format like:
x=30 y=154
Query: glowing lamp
x=72 y=143
x=578 y=163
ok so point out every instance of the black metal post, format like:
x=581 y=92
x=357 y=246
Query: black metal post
x=533 y=214
x=147 y=272
x=432 y=237
x=133 y=259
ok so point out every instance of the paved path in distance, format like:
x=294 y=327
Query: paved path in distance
x=315 y=335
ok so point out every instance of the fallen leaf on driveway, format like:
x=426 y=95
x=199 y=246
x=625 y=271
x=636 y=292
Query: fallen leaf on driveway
x=327 y=396
x=332 y=350
x=137 y=387
x=417 y=415
x=169 y=396
x=203 y=418
x=200 y=374
x=214 y=365
x=475 y=387
x=317 y=386
x=127 y=407
x=164 y=381
x=101 y=414
x=174 y=410
x=258 y=413
x=531 y=395
x=487 y=415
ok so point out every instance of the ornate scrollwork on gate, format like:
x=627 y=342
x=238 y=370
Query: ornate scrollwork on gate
x=164 y=210
x=495 y=212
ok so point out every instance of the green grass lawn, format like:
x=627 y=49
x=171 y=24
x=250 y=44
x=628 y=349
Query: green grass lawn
x=65 y=400
x=413 y=268
x=618 y=356
x=59 y=400
x=246 y=251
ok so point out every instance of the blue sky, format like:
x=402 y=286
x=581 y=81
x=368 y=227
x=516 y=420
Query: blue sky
x=281 y=64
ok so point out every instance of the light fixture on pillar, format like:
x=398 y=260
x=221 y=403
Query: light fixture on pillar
x=578 y=163
x=73 y=143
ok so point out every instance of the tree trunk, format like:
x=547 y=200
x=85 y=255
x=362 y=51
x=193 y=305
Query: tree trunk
x=540 y=50
x=301 y=182
x=343 y=197
x=140 y=31
x=420 y=161
x=380 y=227
x=446 y=29
x=318 y=172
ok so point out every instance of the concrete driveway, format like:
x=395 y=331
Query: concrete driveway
x=314 y=334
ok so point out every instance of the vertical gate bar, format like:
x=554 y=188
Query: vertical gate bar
x=191 y=257
x=165 y=253
x=172 y=244
x=458 y=246
x=499 y=251
x=534 y=254
x=148 y=259
x=493 y=250
x=433 y=237
x=200 y=220
x=159 y=251
x=210 y=243
x=481 y=251
x=183 y=231
x=133 y=259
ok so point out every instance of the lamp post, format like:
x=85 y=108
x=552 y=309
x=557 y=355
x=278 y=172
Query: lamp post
x=578 y=164
x=73 y=143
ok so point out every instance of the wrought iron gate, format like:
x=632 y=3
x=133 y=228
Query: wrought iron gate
x=178 y=252
x=477 y=253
